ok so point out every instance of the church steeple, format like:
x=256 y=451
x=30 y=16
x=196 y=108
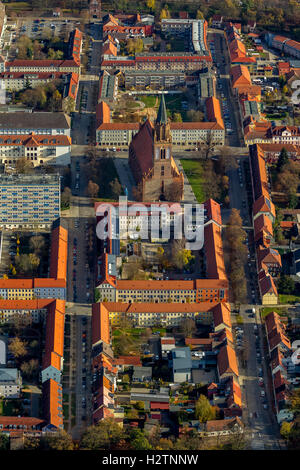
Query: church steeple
x=162 y=125
x=162 y=117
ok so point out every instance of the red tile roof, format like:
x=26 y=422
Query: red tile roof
x=240 y=76
x=221 y=315
x=213 y=246
x=59 y=253
x=52 y=401
x=213 y=110
x=100 y=324
x=227 y=362
x=213 y=211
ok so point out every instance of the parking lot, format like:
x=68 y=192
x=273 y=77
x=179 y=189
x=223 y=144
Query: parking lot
x=34 y=29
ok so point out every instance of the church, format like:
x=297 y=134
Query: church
x=150 y=158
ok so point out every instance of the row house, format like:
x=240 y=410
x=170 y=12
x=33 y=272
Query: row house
x=268 y=260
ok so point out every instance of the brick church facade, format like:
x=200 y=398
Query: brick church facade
x=150 y=159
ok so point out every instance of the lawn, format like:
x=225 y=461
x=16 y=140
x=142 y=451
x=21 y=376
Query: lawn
x=194 y=172
x=288 y=299
x=149 y=100
x=265 y=311
x=10 y=407
x=177 y=44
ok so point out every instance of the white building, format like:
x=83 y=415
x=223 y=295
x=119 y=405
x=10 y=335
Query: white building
x=10 y=383
x=37 y=149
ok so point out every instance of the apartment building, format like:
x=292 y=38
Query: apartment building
x=16 y=81
x=37 y=149
x=194 y=30
x=199 y=290
x=186 y=134
x=148 y=314
x=29 y=201
x=268 y=259
x=45 y=65
x=123 y=27
x=286 y=45
x=39 y=123
x=104 y=369
x=10 y=383
x=21 y=426
x=154 y=79
x=157 y=61
x=108 y=88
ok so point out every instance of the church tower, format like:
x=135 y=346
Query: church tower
x=162 y=133
x=150 y=158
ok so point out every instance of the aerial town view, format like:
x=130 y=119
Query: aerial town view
x=149 y=227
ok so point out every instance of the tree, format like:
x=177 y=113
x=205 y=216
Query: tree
x=23 y=166
x=285 y=429
x=137 y=192
x=31 y=368
x=37 y=244
x=116 y=188
x=195 y=115
x=203 y=410
x=27 y=263
x=66 y=197
x=176 y=117
x=4 y=441
x=151 y=4
x=58 y=441
x=283 y=159
x=199 y=15
x=34 y=261
x=226 y=160
x=68 y=105
x=105 y=435
x=174 y=192
x=140 y=442
x=188 y=327
x=18 y=347
x=93 y=189
x=286 y=285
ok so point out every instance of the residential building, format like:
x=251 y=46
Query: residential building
x=21 y=426
x=180 y=362
x=142 y=374
x=155 y=80
x=240 y=76
x=10 y=383
x=286 y=45
x=198 y=290
x=183 y=134
x=108 y=88
x=205 y=85
x=166 y=345
x=149 y=314
x=227 y=363
x=157 y=61
x=37 y=149
x=123 y=27
x=29 y=201
x=39 y=123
